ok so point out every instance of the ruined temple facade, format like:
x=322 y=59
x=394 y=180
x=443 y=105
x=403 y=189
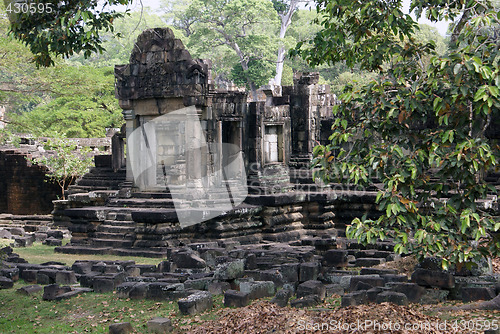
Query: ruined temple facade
x=270 y=140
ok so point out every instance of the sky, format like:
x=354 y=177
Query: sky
x=441 y=26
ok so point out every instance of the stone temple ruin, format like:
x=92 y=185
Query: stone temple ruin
x=268 y=143
x=220 y=188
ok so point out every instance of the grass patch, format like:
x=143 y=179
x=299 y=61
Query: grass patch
x=86 y=313
x=39 y=253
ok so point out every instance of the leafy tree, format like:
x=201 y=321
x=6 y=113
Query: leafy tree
x=65 y=161
x=52 y=27
x=82 y=104
x=418 y=131
x=118 y=49
x=245 y=27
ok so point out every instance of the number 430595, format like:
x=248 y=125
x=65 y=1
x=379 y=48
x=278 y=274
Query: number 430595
x=32 y=8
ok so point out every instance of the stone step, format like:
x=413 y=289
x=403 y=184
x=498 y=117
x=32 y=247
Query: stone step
x=115 y=236
x=112 y=243
x=115 y=229
x=118 y=223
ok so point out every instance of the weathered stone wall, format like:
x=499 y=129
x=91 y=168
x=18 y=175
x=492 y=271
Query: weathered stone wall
x=24 y=188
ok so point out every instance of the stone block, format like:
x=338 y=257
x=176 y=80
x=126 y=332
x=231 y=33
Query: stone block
x=258 y=289
x=374 y=281
x=371 y=294
x=309 y=271
x=312 y=287
x=389 y=278
x=121 y=328
x=392 y=297
x=12 y=273
x=51 y=291
x=198 y=284
x=50 y=241
x=65 y=277
x=472 y=294
x=233 y=298
x=362 y=286
x=433 y=278
x=166 y=267
x=55 y=234
x=368 y=262
x=290 y=272
x=160 y=325
x=354 y=299
x=335 y=258
x=218 y=288
x=29 y=290
x=306 y=301
x=165 y=291
x=377 y=271
x=412 y=291
x=123 y=290
x=82 y=267
x=282 y=297
x=40 y=237
x=4 y=234
x=22 y=241
x=6 y=283
x=434 y=296
x=188 y=260
x=103 y=285
x=334 y=289
x=139 y=291
x=230 y=270
x=196 y=303
x=272 y=275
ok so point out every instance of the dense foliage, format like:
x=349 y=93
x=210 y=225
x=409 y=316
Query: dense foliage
x=417 y=131
x=61 y=28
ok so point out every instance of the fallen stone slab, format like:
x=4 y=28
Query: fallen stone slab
x=6 y=283
x=233 y=298
x=165 y=291
x=472 y=294
x=73 y=293
x=121 y=328
x=51 y=241
x=103 y=284
x=290 y=272
x=353 y=299
x=51 y=291
x=29 y=290
x=412 y=291
x=196 y=303
x=335 y=258
x=65 y=277
x=368 y=262
x=309 y=271
x=230 y=270
x=188 y=260
x=306 y=301
x=218 y=288
x=373 y=281
x=433 y=278
x=312 y=287
x=12 y=273
x=160 y=325
x=392 y=297
x=258 y=289
x=282 y=297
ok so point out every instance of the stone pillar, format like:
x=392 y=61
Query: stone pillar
x=129 y=116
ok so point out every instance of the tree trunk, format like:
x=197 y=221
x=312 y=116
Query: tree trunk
x=286 y=19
